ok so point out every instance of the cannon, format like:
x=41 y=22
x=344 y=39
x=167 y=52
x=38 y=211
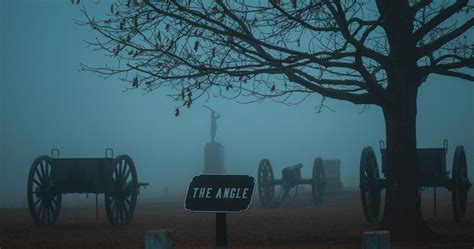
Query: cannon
x=51 y=177
x=291 y=178
x=431 y=166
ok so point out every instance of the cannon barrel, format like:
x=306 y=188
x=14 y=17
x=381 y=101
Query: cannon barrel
x=292 y=175
x=142 y=184
x=292 y=168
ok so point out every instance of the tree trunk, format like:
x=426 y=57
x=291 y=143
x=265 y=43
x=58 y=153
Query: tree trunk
x=402 y=213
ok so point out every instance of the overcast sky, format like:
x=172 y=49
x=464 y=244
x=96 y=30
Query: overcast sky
x=47 y=103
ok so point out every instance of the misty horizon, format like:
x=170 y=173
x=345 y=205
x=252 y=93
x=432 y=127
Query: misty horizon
x=46 y=102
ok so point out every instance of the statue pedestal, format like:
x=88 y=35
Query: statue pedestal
x=214 y=158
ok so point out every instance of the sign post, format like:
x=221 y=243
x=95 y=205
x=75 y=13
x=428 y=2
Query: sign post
x=220 y=194
x=221 y=230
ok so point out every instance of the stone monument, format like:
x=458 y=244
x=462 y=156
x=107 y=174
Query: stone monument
x=332 y=171
x=213 y=151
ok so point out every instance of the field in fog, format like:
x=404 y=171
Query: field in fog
x=338 y=224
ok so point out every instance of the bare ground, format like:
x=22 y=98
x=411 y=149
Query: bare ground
x=337 y=224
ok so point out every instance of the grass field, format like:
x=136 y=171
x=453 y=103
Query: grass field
x=338 y=224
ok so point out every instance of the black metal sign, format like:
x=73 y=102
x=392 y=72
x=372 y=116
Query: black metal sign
x=219 y=193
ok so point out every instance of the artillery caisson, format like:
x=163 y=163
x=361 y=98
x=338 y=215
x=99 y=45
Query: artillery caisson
x=291 y=178
x=431 y=166
x=51 y=177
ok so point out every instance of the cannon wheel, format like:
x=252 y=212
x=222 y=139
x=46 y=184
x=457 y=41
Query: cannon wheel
x=369 y=192
x=319 y=182
x=266 y=187
x=43 y=201
x=460 y=184
x=121 y=200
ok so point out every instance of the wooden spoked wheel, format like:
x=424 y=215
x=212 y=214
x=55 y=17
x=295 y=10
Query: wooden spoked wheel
x=460 y=184
x=44 y=202
x=369 y=190
x=266 y=186
x=121 y=200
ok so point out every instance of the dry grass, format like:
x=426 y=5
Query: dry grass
x=336 y=225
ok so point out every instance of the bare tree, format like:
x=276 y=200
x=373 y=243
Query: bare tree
x=366 y=52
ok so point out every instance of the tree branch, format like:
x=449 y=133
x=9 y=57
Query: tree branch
x=438 y=43
x=437 y=20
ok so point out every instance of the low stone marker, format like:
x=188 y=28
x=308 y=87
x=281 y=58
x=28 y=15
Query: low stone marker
x=376 y=240
x=158 y=239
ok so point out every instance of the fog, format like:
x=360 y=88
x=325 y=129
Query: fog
x=47 y=103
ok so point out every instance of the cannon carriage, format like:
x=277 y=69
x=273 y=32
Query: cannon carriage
x=51 y=176
x=291 y=178
x=431 y=166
